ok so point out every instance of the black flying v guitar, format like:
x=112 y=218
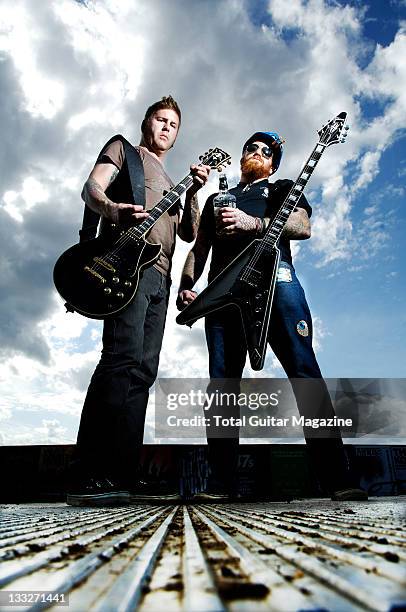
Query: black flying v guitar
x=248 y=282
x=99 y=278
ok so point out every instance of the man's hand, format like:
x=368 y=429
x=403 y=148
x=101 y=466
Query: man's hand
x=185 y=298
x=235 y=221
x=200 y=175
x=127 y=214
x=95 y=197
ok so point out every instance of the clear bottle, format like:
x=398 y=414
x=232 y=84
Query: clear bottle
x=222 y=199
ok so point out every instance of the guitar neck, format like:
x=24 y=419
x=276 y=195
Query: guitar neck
x=275 y=228
x=159 y=209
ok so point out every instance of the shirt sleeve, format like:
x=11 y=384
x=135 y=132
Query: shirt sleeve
x=207 y=222
x=284 y=186
x=112 y=153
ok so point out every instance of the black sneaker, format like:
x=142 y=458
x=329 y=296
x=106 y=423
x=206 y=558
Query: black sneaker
x=350 y=495
x=155 y=492
x=97 y=492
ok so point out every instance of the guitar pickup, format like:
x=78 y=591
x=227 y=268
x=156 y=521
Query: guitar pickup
x=104 y=263
x=95 y=274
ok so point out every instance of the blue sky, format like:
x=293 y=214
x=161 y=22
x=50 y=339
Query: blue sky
x=74 y=73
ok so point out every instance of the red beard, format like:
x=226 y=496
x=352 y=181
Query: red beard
x=253 y=169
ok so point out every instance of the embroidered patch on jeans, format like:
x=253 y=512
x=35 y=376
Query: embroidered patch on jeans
x=302 y=328
x=284 y=275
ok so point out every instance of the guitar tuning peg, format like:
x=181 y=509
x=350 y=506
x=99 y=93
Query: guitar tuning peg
x=342 y=140
x=206 y=153
x=200 y=157
x=210 y=150
x=229 y=162
x=220 y=168
x=347 y=127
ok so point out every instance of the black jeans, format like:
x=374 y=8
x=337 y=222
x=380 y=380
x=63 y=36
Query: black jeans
x=290 y=337
x=112 y=423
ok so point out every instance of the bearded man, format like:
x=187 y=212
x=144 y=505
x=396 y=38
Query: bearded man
x=290 y=331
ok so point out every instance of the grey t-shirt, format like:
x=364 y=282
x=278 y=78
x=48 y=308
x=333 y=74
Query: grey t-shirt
x=157 y=183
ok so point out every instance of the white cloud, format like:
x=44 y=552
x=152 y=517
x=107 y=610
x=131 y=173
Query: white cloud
x=330 y=78
x=50 y=431
x=368 y=168
x=20 y=34
x=75 y=73
x=64 y=326
x=369 y=210
x=106 y=43
x=32 y=193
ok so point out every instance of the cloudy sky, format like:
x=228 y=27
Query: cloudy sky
x=74 y=73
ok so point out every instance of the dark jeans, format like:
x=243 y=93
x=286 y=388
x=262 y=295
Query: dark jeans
x=112 y=423
x=227 y=355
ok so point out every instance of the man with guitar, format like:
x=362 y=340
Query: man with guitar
x=112 y=422
x=290 y=332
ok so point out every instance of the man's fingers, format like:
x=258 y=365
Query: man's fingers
x=200 y=174
x=138 y=208
x=134 y=207
x=185 y=298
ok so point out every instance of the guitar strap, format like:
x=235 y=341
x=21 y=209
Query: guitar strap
x=135 y=171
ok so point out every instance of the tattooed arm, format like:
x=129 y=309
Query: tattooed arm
x=191 y=215
x=297 y=226
x=94 y=195
x=236 y=221
x=189 y=224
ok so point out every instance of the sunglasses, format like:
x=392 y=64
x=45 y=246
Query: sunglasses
x=265 y=151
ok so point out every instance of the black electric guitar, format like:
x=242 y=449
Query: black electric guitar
x=99 y=278
x=248 y=282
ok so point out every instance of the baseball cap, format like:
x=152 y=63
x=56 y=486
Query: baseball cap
x=273 y=140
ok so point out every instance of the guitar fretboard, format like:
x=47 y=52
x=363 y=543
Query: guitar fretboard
x=275 y=228
x=138 y=231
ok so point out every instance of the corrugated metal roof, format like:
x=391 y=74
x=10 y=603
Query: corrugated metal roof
x=305 y=555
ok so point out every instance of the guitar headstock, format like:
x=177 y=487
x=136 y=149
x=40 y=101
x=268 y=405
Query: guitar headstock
x=334 y=131
x=215 y=158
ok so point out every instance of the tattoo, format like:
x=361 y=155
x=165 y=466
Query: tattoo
x=247 y=223
x=194 y=215
x=95 y=191
x=297 y=226
x=96 y=199
x=243 y=222
x=190 y=220
x=113 y=175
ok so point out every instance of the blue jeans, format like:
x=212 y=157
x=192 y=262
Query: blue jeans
x=290 y=337
x=112 y=423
